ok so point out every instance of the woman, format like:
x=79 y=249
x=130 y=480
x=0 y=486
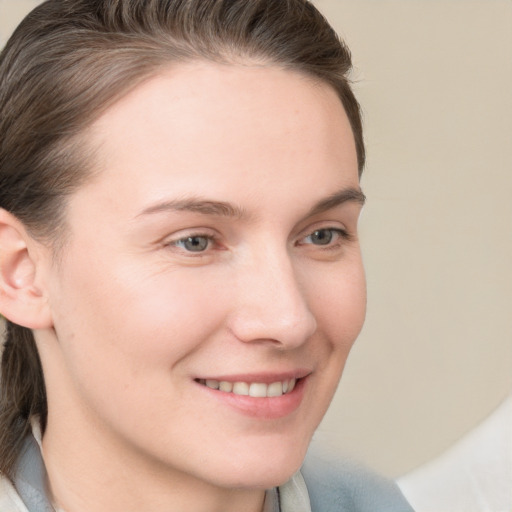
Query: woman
x=180 y=270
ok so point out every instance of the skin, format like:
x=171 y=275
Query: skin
x=136 y=316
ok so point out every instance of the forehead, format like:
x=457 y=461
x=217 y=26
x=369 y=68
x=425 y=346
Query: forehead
x=214 y=126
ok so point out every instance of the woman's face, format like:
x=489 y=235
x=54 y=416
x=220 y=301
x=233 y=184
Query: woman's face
x=216 y=246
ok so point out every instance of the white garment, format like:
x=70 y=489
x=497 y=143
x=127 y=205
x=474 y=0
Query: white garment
x=9 y=499
x=475 y=475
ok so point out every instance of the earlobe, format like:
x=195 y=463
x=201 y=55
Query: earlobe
x=21 y=300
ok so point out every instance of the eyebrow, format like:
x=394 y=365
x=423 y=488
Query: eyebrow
x=337 y=199
x=223 y=209
x=197 y=205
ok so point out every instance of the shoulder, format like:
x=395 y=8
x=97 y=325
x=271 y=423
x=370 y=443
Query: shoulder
x=9 y=499
x=335 y=485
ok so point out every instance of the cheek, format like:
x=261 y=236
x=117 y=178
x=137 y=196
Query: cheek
x=118 y=313
x=173 y=312
x=337 y=298
x=123 y=336
x=339 y=303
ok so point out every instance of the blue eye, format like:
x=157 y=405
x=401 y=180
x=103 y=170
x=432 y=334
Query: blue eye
x=321 y=237
x=197 y=243
x=324 y=236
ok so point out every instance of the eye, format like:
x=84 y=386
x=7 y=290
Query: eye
x=321 y=237
x=195 y=243
x=324 y=236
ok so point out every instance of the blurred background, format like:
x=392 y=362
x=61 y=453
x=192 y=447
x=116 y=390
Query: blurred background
x=434 y=78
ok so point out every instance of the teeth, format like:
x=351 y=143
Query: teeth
x=226 y=386
x=214 y=384
x=254 y=389
x=258 y=390
x=240 y=388
x=275 y=389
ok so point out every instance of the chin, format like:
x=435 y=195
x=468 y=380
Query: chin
x=264 y=471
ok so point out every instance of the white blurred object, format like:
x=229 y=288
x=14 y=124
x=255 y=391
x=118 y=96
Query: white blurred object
x=475 y=475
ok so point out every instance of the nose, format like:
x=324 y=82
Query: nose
x=271 y=303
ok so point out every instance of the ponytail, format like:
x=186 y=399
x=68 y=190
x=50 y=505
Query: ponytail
x=22 y=393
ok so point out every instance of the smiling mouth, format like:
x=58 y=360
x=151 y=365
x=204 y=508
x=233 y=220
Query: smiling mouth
x=253 y=389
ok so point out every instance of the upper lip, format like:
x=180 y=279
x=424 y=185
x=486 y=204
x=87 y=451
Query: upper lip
x=264 y=377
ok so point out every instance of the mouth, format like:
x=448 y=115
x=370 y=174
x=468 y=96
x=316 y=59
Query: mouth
x=263 y=397
x=252 y=389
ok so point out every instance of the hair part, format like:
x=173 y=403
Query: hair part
x=67 y=62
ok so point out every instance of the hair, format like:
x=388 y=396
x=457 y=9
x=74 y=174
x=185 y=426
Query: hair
x=66 y=63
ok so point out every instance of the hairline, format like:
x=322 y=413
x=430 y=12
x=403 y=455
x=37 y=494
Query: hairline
x=85 y=154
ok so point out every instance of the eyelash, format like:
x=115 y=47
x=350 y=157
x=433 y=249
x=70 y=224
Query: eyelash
x=342 y=235
x=210 y=240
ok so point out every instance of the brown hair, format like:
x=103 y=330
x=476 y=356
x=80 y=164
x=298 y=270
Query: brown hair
x=67 y=62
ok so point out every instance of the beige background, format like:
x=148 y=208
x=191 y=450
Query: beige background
x=435 y=357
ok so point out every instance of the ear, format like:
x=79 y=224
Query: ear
x=22 y=301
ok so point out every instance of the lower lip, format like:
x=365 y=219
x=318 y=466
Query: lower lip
x=268 y=408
